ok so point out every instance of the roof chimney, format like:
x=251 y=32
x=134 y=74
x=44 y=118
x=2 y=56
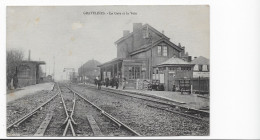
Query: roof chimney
x=179 y=45
x=126 y=32
x=183 y=49
x=189 y=58
x=137 y=26
x=163 y=32
x=29 y=56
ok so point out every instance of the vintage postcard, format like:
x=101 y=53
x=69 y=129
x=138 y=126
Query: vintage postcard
x=107 y=71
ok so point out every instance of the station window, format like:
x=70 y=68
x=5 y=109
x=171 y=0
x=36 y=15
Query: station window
x=162 y=51
x=200 y=67
x=159 y=51
x=208 y=67
x=165 y=51
x=134 y=72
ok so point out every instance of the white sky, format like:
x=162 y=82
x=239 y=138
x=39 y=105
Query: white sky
x=74 y=38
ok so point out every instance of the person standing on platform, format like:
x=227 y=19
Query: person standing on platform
x=116 y=82
x=96 y=81
x=124 y=83
x=113 y=82
x=99 y=82
x=107 y=81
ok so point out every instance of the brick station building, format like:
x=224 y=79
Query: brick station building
x=138 y=54
x=174 y=70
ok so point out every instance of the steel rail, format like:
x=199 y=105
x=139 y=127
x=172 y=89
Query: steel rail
x=64 y=106
x=111 y=118
x=105 y=113
x=144 y=97
x=66 y=129
x=69 y=118
x=177 y=112
x=30 y=113
x=72 y=112
x=16 y=125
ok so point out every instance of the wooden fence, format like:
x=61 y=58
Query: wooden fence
x=199 y=85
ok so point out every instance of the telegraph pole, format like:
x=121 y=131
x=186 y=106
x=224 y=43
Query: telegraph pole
x=150 y=39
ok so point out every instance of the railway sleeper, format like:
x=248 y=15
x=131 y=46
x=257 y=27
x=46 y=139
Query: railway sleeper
x=95 y=129
x=41 y=130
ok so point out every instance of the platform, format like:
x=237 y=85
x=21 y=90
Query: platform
x=188 y=100
x=28 y=90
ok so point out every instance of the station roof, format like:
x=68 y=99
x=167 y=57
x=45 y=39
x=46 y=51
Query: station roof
x=175 y=61
x=150 y=45
x=200 y=60
x=111 y=61
x=34 y=62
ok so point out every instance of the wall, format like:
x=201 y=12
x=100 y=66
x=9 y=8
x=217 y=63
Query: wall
x=203 y=73
x=30 y=79
x=160 y=59
x=124 y=48
x=134 y=42
x=172 y=75
x=142 y=63
x=201 y=85
x=155 y=58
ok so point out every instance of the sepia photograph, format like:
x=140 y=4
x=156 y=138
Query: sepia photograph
x=108 y=71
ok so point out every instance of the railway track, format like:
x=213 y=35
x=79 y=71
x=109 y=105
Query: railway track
x=172 y=107
x=95 y=129
x=17 y=123
x=68 y=121
x=73 y=114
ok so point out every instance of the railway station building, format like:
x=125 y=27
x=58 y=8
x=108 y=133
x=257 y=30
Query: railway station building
x=201 y=68
x=173 y=71
x=139 y=53
x=28 y=73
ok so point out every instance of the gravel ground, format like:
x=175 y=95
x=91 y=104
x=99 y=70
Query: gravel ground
x=56 y=109
x=82 y=109
x=134 y=112
x=56 y=126
x=107 y=127
x=30 y=126
x=145 y=120
x=18 y=108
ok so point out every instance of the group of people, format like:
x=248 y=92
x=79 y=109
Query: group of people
x=114 y=82
x=98 y=82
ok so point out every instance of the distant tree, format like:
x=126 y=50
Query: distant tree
x=13 y=60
